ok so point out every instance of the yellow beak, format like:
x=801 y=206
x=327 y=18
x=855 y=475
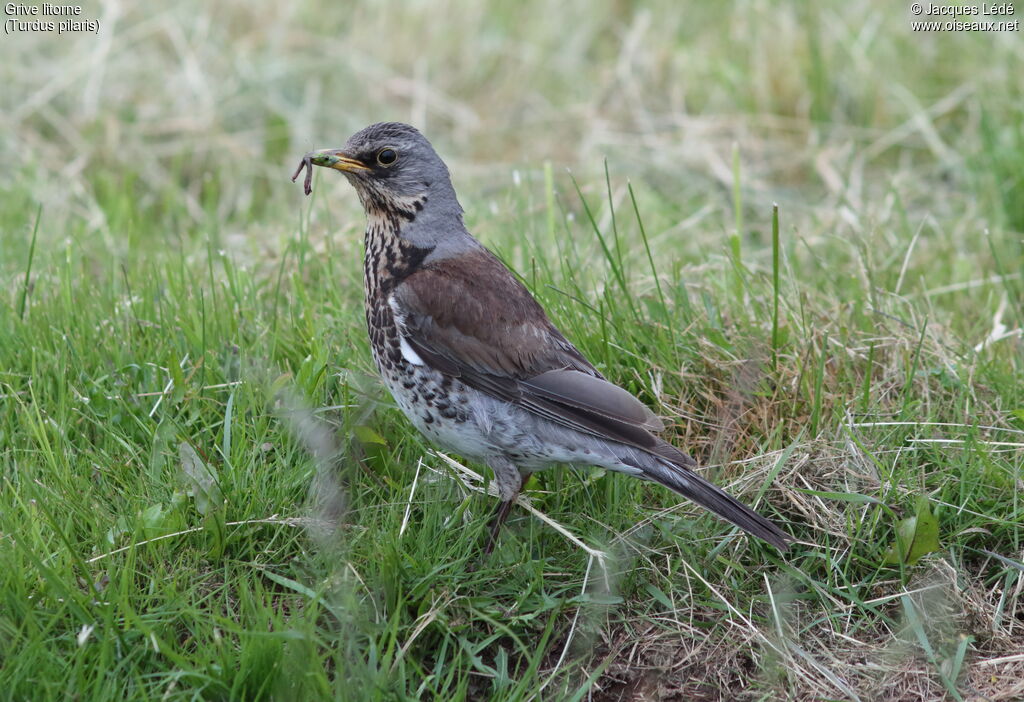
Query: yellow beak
x=337 y=159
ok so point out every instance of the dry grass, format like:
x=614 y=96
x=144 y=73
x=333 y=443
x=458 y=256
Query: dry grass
x=159 y=153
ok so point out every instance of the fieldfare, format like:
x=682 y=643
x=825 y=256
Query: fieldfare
x=468 y=354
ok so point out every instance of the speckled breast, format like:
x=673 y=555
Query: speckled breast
x=432 y=401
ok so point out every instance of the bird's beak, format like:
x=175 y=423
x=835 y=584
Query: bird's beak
x=337 y=159
x=328 y=158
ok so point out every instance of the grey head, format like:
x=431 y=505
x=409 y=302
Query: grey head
x=399 y=177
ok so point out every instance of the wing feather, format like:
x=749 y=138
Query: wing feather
x=476 y=322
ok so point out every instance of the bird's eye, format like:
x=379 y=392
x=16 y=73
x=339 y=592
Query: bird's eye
x=386 y=157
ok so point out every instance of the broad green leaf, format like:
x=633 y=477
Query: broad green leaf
x=366 y=435
x=200 y=480
x=915 y=536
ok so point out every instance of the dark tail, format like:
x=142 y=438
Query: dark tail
x=674 y=472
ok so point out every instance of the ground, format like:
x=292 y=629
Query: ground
x=207 y=494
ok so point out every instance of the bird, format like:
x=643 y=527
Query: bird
x=470 y=356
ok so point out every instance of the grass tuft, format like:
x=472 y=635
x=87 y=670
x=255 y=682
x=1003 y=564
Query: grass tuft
x=207 y=494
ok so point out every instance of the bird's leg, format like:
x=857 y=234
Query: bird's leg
x=500 y=515
x=510 y=482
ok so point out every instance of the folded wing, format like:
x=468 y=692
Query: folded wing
x=476 y=322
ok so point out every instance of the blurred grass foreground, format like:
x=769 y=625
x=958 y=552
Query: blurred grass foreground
x=207 y=495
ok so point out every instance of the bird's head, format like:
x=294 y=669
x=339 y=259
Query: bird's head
x=390 y=164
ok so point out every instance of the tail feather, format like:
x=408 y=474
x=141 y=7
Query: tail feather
x=677 y=476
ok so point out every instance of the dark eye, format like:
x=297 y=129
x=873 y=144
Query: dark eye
x=386 y=157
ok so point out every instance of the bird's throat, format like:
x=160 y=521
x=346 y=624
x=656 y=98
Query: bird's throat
x=389 y=258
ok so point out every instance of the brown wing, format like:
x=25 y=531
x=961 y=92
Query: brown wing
x=470 y=318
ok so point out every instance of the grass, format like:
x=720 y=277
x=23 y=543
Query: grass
x=206 y=493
